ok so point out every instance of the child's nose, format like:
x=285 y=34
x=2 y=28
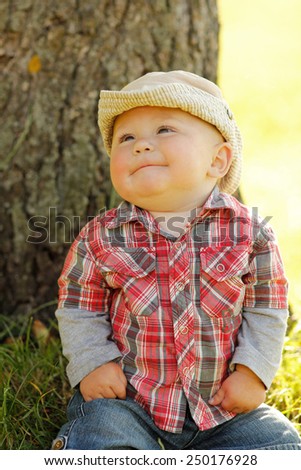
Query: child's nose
x=141 y=146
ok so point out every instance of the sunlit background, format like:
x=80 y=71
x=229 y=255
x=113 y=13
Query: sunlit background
x=260 y=74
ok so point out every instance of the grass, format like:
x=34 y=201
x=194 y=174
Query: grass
x=285 y=391
x=34 y=390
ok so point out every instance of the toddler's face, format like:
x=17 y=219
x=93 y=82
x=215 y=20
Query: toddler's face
x=161 y=158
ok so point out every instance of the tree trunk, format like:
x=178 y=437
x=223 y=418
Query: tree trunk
x=55 y=56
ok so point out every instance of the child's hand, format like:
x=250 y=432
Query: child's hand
x=241 y=392
x=107 y=381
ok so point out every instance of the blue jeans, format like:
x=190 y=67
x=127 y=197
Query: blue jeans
x=105 y=424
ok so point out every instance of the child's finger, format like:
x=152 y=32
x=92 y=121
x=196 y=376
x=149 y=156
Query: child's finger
x=120 y=390
x=217 y=398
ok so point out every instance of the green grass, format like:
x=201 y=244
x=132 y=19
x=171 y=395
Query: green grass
x=285 y=391
x=34 y=390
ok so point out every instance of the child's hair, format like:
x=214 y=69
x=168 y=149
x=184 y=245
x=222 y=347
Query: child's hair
x=182 y=90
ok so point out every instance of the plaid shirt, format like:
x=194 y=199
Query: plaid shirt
x=176 y=305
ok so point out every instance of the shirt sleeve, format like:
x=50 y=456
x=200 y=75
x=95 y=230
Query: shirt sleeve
x=81 y=284
x=83 y=312
x=260 y=342
x=86 y=341
x=266 y=285
x=265 y=311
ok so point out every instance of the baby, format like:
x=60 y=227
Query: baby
x=173 y=306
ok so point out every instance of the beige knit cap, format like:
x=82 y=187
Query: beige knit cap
x=176 y=89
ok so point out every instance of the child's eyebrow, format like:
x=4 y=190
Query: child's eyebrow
x=120 y=128
x=165 y=119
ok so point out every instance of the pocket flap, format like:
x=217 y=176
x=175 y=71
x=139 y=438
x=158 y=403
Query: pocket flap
x=225 y=262
x=137 y=262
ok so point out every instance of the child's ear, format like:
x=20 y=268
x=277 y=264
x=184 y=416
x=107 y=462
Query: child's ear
x=221 y=161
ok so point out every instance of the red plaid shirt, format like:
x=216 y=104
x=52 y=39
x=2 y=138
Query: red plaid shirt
x=175 y=305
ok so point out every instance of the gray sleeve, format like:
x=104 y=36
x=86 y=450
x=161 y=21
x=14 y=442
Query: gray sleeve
x=86 y=341
x=260 y=341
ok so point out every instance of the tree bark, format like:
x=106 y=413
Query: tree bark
x=55 y=56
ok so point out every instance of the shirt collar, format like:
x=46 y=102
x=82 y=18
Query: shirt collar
x=218 y=200
x=127 y=212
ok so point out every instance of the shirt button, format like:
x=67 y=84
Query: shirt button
x=220 y=267
x=185 y=370
x=180 y=286
x=188 y=372
x=177 y=245
x=184 y=330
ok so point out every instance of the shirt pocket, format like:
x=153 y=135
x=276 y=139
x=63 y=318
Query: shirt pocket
x=132 y=271
x=222 y=287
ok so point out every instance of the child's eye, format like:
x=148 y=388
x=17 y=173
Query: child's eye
x=126 y=138
x=164 y=130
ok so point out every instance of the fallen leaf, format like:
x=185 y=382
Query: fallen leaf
x=40 y=332
x=35 y=64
